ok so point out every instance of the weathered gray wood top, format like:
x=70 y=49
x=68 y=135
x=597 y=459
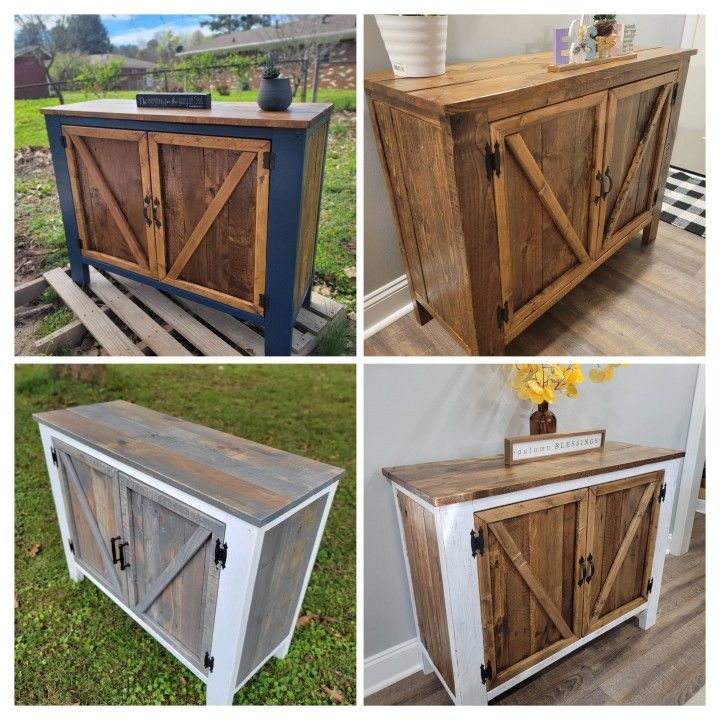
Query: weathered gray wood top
x=298 y=115
x=454 y=481
x=252 y=481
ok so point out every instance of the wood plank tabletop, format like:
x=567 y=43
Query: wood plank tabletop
x=252 y=481
x=298 y=115
x=455 y=481
x=469 y=84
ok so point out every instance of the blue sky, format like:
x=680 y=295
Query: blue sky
x=138 y=29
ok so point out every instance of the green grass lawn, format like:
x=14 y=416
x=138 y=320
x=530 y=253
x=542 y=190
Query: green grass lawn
x=73 y=645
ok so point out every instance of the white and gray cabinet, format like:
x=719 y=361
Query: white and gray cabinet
x=205 y=539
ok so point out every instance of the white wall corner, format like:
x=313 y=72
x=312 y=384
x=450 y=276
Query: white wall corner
x=386 y=305
x=391 y=666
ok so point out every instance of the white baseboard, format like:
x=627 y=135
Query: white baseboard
x=385 y=305
x=391 y=666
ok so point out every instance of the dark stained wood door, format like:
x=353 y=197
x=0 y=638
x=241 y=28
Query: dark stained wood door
x=210 y=196
x=91 y=496
x=622 y=527
x=545 y=202
x=110 y=180
x=529 y=573
x=638 y=116
x=172 y=578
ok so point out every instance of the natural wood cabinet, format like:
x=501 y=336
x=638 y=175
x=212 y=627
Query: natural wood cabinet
x=206 y=540
x=218 y=205
x=512 y=568
x=510 y=184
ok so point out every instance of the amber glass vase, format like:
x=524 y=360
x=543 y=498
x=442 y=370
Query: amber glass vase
x=543 y=421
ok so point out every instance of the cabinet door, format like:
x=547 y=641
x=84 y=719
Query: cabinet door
x=110 y=180
x=172 y=578
x=529 y=572
x=622 y=526
x=92 y=501
x=545 y=202
x=212 y=202
x=637 y=121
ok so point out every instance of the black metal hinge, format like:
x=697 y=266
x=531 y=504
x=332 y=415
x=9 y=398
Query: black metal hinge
x=220 y=553
x=477 y=542
x=209 y=661
x=503 y=314
x=53 y=454
x=268 y=160
x=655 y=196
x=661 y=496
x=492 y=160
x=264 y=301
x=674 y=94
x=72 y=547
x=649 y=586
x=485 y=673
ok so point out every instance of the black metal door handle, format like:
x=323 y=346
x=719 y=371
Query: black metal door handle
x=146 y=204
x=592 y=568
x=155 y=206
x=583 y=569
x=115 y=558
x=610 y=182
x=599 y=178
x=123 y=564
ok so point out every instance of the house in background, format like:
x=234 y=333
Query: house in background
x=30 y=78
x=329 y=38
x=134 y=71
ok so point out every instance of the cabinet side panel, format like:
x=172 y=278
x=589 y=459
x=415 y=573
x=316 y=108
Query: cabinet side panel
x=439 y=236
x=312 y=189
x=427 y=584
x=286 y=551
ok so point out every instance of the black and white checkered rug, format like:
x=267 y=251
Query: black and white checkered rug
x=684 y=201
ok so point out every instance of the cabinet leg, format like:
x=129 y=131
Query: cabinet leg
x=650 y=231
x=421 y=313
x=80 y=273
x=218 y=693
x=278 y=338
x=282 y=651
x=646 y=619
x=76 y=574
x=426 y=666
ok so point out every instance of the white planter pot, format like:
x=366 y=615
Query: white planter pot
x=415 y=43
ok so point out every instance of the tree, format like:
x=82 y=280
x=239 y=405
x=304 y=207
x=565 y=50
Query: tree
x=33 y=33
x=221 y=24
x=83 y=33
x=131 y=51
x=167 y=45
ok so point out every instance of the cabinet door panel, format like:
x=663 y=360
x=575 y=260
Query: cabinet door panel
x=638 y=118
x=213 y=203
x=622 y=527
x=173 y=579
x=544 y=195
x=110 y=181
x=91 y=495
x=528 y=572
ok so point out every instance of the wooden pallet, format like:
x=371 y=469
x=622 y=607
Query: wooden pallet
x=128 y=318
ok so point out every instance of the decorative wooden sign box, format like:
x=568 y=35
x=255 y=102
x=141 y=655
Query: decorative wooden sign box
x=510 y=184
x=219 y=205
x=529 y=448
x=512 y=568
x=206 y=540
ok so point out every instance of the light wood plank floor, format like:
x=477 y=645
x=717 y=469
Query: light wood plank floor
x=643 y=301
x=627 y=666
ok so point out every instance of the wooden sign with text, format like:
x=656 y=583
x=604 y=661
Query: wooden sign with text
x=526 y=448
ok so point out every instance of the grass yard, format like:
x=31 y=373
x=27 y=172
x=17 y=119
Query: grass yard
x=73 y=645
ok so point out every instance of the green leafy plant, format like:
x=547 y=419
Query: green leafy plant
x=270 y=71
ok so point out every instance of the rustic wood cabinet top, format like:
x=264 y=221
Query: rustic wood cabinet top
x=251 y=481
x=473 y=85
x=454 y=481
x=301 y=115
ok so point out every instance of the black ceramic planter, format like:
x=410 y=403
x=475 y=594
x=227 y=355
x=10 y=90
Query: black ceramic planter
x=274 y=94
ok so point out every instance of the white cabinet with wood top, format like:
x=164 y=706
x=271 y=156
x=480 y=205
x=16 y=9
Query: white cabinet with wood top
x=512 y=568
x=205 y=539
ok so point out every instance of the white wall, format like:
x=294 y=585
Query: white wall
x=421 y=413
x=470 y=37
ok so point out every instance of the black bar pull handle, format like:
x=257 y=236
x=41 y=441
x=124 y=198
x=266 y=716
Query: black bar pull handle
x=583 y=569
x=610 y=182
x=592 y=568
x=123 y=564
x=146 y=204
x=155 y=206
x=115 y=557
x=599 y=178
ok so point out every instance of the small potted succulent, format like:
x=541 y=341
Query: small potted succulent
x=275 y=92
x=416 y=44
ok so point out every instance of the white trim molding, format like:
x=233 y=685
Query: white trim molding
x=392 y=665
x=385 y=305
